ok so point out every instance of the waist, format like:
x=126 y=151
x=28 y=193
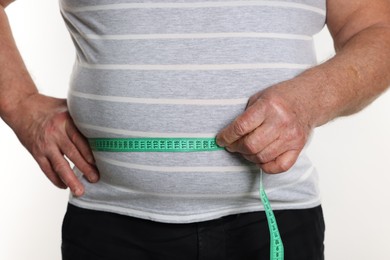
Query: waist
x=182 y=187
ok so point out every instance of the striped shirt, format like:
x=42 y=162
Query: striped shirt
x=180 y=68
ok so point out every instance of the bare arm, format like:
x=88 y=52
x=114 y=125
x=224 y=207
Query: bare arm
x=278 y=121
x=42 y=123
x=360 y=71
x=13 y=72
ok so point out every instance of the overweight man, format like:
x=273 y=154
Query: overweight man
x=242 y=73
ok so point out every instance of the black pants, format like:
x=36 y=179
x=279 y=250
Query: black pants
x=95 y=235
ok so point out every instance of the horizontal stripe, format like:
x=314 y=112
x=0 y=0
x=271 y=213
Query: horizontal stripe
x=254 y=193
x=197 y=36
x=222 y=157
x=195 y=5
x=179 y=169
x=188 y=182
x=260 y=19
x=178 y=84
x=196 y=66
x=153 y=118
x=141 y=133
x=169 y=217
x=81 y=3
x=162 y=101
x=197 y=51
x=185 y=195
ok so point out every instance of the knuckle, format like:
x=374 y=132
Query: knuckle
x=72 y=153
x=273 y=102
x=50 y=128
x=60 y=168
x=73 y=137
x=284 y=167
x=240 y=127
x=53 y=124
x=250 y=146
x=286 y=120
x=294 y=133
x=262 y=157
x=250 y=158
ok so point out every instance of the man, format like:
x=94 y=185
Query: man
x=284 y=106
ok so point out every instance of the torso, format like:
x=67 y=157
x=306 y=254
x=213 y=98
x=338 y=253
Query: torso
x=184 y=69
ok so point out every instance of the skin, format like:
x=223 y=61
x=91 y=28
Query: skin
x=271 y=132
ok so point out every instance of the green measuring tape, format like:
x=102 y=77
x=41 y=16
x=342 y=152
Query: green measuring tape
x=153 y=144
x=189 y=145
x=277 y=249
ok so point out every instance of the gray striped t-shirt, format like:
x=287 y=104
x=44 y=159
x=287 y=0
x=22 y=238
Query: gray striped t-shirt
x=181 y=68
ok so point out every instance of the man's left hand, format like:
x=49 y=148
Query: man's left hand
x=271 y=132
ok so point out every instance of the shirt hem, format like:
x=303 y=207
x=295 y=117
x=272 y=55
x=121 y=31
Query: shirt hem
x=189 y=218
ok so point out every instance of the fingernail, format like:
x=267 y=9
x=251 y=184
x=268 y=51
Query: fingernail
x=77 y=192
x=220 y=142
x=93 y=177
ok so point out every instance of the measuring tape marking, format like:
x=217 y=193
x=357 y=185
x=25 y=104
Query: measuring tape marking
x=276 y=243
x=153 y=144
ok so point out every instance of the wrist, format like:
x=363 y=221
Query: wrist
x=315 y=98
x=12 y=106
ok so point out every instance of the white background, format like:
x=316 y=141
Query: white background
x=351 y=154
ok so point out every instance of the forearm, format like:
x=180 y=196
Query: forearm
x=353 y=78
x=15 y=81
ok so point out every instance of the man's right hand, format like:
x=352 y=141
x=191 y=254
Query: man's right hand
x=44 y=126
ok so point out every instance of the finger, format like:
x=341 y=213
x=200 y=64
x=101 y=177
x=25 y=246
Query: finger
x=269 y=153
x=80 y=142
x=63 y=170
x=282 y=163
x=253 y=99
x=70 y=151
x=44 y=164
x=254 y=142
x=245 y=123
